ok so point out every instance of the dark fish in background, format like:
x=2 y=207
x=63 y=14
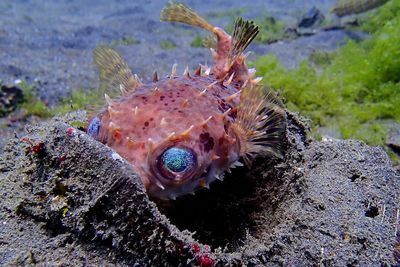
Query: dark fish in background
x=349 y=7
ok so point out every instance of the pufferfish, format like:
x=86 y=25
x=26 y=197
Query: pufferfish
x=181 y=133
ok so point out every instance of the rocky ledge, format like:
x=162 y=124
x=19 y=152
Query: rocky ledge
x=68 y=200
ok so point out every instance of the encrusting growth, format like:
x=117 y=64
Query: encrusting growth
x=180 y=133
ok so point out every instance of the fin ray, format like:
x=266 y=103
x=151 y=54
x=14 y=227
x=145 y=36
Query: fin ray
x=244 y=32
x=178 y=12
x=115 y=75
x=260 y=124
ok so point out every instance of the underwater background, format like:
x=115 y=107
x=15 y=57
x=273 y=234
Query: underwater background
x=342 y=73
x=67 y=200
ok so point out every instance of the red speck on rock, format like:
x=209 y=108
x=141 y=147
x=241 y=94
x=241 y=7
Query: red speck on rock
x=38 y=148
x=70 y=131
x=205 y=260
x=195 y=248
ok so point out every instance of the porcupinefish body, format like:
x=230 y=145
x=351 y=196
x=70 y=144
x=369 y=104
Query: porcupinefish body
x=181 y=133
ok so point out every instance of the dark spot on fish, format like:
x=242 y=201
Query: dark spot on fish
x=207 y=140
x=146 y=123
x=209 y=145
x=162 y=97
x=221 y=140
x=204 y=137
x=151 y=119
x=222 y=106
x=226 y=127
x=165 y=104
x=173 y=100
x=233 y=113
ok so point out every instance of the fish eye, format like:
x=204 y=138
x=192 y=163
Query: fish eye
x=177 y=163
x=94 y=127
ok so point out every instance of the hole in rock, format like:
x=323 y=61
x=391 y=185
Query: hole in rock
x=372 y=212
x=223 y=215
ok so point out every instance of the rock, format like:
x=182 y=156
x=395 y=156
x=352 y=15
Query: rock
x=393 y=137
x=10 y=97
x=310 y=18
x=66 y=201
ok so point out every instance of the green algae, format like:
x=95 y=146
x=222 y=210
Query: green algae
x=231 y=13
x=321 y=58
x=79 y=99
x=125 y=41
x=373 y=21
x=33 y=105
x=166 y=44
x=197 y=41
x=271 y=30
x=356 y=89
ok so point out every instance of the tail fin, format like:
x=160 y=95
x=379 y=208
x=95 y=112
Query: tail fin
x=179 y=12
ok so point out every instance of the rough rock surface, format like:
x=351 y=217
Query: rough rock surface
x=393 y=137
x=68 y=200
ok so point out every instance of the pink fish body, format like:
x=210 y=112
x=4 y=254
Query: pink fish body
x=181 y=133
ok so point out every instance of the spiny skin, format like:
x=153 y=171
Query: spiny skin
x=174 y=107
x=181 y=133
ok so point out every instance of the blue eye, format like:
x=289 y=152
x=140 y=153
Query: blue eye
x=176 y=163
x=94 y=127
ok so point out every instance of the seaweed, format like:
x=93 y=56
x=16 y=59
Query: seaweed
x=232 y=13
x=33 y=105
x=197 y=42
x=125 y=41
x=373 y=21
x=167 y=44
x=271 y=30
x=356 y=89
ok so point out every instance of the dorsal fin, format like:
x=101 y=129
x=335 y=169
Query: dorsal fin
x=243 y=33
x=260 y=124
x=179 y=12
x=115 y=75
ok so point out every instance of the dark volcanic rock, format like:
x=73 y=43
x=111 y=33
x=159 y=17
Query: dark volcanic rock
x=68 y=200
x=10 y=97
x=310 y=18
x=393 y=137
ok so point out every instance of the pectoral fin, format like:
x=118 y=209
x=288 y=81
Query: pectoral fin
x=260 y=124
